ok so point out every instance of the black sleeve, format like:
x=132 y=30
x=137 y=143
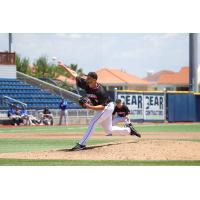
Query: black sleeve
x=103 y=98
x=127 y=110
x=80 y=82
x=114 y=111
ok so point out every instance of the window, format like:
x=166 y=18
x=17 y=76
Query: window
x=182 y=88
x=113 y=87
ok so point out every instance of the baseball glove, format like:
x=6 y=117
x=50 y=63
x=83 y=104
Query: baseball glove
x=83 y=101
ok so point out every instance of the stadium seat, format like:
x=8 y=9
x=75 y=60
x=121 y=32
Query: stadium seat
x=34 y=97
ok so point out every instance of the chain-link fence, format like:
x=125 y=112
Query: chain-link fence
x=74 y=116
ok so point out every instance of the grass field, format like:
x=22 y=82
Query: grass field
x=12 y=145
x=73 y=129
x=22 y=162
x=25 y=145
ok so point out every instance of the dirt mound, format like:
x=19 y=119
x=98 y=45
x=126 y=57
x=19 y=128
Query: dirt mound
x=126 y=150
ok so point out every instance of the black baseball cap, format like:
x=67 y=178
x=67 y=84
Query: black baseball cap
x=118 y=101
x=93 y=75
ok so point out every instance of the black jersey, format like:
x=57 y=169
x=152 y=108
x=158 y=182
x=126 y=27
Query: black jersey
x=46 y=112
x=121 y=112
x=98 y=95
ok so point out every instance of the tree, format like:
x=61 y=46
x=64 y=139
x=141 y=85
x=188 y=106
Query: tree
x=22 y=64
x=43 y=69
x=76 y=69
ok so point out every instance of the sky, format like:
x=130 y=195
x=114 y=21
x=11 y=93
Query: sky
x=135 y=53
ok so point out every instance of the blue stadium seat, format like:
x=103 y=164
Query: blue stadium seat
x=34 y=97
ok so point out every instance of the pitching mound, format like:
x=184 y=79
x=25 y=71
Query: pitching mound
x=126 y=150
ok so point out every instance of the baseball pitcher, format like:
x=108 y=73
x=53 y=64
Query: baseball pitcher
x=99 y=102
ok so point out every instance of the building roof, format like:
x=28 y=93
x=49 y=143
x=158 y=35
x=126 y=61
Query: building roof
x=177 y=78
x=109 y=76
x=66 y=79
x=155 y=76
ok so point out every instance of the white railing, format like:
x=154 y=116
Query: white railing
x=74 y=116
x=6 y=100
x=48 y=87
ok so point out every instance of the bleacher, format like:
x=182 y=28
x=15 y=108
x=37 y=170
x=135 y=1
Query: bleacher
x=34 y=97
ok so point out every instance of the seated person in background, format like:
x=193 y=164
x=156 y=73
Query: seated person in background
x=25 y=117
x=47 y=117
x=15 y=115
x=28 y=119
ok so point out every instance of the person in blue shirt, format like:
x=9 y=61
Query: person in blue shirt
x=25 y=117
x=29 y=120
x=11 y=110
x=23 y=112
x=63 y=111
x=14 y=114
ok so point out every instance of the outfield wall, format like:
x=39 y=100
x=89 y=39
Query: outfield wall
x=161 y=106
x=145 y=106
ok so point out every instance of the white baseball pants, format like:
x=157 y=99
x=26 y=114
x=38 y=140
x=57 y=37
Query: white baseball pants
x=120 y=119
x=104 y=118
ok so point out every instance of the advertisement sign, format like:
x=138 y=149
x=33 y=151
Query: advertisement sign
x=144 y=106
x=154 y=108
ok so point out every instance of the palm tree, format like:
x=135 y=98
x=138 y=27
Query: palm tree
x=76 y=69
x=43 y=69
x=22 y=64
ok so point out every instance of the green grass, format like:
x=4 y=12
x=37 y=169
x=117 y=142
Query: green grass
x=23 y=162
x=45 y=129
x=74 y=129
x=8 y=145
x=26 y=145
x=169 y=128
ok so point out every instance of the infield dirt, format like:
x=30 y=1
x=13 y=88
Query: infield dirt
x=152 y=146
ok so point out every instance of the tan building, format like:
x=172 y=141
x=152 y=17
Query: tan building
x=170 y=80
x=154 y=77
x=66 y=80
x=115 y=78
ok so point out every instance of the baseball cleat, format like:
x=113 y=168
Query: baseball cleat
x=110 y=134
x=133 y=131
x=78 y=147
